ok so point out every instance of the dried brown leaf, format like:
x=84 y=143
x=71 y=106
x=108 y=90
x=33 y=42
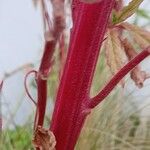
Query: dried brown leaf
x=137 y=75
x=44 y=139
x=115 y=55
x=140 y=36
x=129 y=49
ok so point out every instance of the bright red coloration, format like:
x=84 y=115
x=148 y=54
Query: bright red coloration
x=89 y=25
x=42 y=76
x=41 y=80
x=73 y=103
x=25 y=85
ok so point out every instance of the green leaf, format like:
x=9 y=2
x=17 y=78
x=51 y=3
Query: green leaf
x=128 y=10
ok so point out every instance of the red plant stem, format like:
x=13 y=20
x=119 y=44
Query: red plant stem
x=46 y=18
x=115 y=80
x=42 y=75
x=41 y=80
x=26 y=87
x=70 y=111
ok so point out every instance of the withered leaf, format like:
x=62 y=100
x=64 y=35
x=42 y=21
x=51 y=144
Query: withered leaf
x=129 y=49
x=139 y=35
x=137 y=75
x=44 y=139
x=115 y=55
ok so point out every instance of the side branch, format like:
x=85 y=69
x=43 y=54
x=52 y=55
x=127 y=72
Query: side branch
x=115 y=80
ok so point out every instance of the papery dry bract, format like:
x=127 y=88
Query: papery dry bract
x=44 y=139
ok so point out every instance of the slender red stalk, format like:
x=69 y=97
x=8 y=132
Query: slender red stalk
x=41 y=80
x=52 y=36
x=26 y=88
x=89 y=25
x=115 y=80
x=44 y=69
x=42 y=77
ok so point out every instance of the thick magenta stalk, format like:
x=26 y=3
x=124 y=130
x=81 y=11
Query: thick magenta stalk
x=71 y=109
